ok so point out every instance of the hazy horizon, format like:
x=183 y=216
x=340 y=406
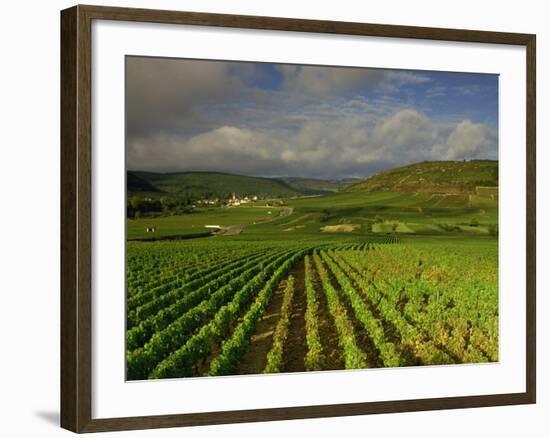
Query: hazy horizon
x=280 y=120
x=284 y=176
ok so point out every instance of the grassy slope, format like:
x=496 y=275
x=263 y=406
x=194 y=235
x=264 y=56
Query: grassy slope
x=433 y=177
x=418 y=213
x=195 y=223
x=135 y=183
x=402 y=212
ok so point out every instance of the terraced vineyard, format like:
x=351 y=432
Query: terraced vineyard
x=223 y=306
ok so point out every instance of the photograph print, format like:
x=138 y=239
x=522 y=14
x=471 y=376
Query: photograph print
x=294 y=218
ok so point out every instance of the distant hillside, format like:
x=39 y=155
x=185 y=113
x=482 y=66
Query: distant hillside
x=433 y=177
x=213 y=184
x=135 y=183
x=312 y=186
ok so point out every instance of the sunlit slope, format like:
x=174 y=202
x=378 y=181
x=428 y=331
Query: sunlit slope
x=444 y=177
x=383 y=212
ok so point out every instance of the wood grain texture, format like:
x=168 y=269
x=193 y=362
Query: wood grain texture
x=69 y=347
x=531 y=250
x=297 y=413
x=76 y=223
x=300 y=25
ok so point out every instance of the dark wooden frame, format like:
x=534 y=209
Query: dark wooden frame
x=76 y=299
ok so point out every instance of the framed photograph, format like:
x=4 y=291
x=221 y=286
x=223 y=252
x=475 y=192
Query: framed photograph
x=269 y=218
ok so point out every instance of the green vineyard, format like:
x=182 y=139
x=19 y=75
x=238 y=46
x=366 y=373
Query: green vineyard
x=306 y=220
x=222 y=306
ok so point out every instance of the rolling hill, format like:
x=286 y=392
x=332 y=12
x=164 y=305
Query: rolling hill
x=209 y=184
x=435 y=177
x=313 y=186
x=135 y=183
x=444 y=177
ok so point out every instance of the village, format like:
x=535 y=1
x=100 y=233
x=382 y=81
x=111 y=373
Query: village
x=232 y=201
x=206 y=204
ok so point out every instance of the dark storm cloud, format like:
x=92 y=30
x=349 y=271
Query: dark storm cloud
x=163 y=94
x=278 y=120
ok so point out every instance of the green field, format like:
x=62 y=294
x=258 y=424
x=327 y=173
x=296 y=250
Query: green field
x=346 y=280
x=196 y=306
x=194 y=223
x=413 y=213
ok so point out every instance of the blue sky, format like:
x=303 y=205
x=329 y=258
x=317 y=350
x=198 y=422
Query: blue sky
x=310 y=121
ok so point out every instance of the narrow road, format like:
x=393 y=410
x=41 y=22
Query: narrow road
x=285 y=212
x=233 y=230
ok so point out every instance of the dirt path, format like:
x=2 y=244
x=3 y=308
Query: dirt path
x=298 y=219
x=255 y=358
x=286 y=211
x=233 y=230
x=334 y=358
x=295 y=348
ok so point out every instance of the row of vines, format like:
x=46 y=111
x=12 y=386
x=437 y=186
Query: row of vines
x=195 y=309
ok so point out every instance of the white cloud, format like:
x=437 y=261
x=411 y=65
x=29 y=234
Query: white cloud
x=437 y=91
x=468 y=90
x=395 y=79
x=323 y=122
x=406 y=132
x=332 y=147
x=468 y=140
x=326 y=81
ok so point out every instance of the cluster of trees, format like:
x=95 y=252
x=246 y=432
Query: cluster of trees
x=138 y=206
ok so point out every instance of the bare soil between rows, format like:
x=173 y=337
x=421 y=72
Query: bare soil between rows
x=295 y=348
x=334 y=358
x=255 y=358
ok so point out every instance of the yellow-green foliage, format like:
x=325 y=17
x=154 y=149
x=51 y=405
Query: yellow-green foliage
x=275 y=355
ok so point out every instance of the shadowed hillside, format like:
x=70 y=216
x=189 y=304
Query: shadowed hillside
x=135 y=183
x=213 y=184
